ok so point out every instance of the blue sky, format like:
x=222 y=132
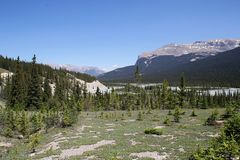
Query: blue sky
x=105 y=33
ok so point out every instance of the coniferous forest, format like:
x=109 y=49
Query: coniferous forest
x=39 y=98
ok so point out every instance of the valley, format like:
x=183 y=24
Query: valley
x=119 y=80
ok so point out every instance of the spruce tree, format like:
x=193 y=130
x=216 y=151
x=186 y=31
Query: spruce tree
x=34 y=91
x=37 y=123
x=47 y=91
x=177 y=114
x=25 y=124
x=34 y=140
x=182 y=92
x=17 y=94
x=137 y=75
x=165 y=94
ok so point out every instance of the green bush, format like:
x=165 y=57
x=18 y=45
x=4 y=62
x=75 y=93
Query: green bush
x=212 y=118
x=232 y=128
x=193 y=114
x=153 y=131
x=167 y=121
x=169 y=112
x=224 y=147
x=177 y=115
x=139 y=117
x=228 y=112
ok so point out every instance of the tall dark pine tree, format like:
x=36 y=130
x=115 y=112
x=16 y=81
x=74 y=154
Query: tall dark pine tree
x=34 y=91
x=1 y=85
x=165 y=94
x=137 y=75
x=182 y=92
x=47 y=91
x=17 y=94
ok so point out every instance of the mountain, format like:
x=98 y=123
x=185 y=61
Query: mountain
x=203 y=48
x=169 y=61
x=93 y=71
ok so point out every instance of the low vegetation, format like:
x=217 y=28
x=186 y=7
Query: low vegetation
x=153 y=131
x=226 y=146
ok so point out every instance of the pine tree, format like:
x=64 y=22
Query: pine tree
x=34 y=140
x=25 y=124
x=7 y=88
x=77 y=91
x=47 y=91
x=137 y=75
x=177 y=115
x=1 y=85
x=139 y=116
x=9 y=123
x=34 y=91
x=165 y=94
x=59 y=91
x=37 y=123
x=182 y=92
x=17 y=94
x=193 y=114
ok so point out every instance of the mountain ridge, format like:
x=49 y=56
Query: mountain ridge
x=169 y=66
x=210 y=46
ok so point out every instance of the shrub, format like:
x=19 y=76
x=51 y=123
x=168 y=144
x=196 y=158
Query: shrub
x=177 y=114
x=34 y=141
x=228 y=112
x=129 y=113
x=8 y=132
x=169 y=112
x=232 y=128
x=149 y=111
x=193 y=114
x=153 y=131
x=212 y=118
x=167 y=121
x=224 y=147
x=123 y=116
x=139 y=117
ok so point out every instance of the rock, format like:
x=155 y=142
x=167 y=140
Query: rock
x=20 y=136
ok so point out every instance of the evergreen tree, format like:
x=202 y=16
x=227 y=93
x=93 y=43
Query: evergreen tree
x=1 y=85
x=17 y=94
x=177 y=115
x=7 y=88
x=47 y=91
x=25 y=124
x=137 y=75
x=165 y=94
x=182 y=92
x=37 y=123
x=34 y=90
x=77 y=91
x=139 y=116
x=9 y=123
x=34 y=140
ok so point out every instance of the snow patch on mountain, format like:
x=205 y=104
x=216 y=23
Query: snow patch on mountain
x=203 y=48
x=93 y=71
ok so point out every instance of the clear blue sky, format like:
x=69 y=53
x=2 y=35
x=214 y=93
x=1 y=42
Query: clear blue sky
x=105 y=33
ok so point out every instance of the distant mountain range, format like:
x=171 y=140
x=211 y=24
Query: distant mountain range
x=93 y=71
x=214 y=61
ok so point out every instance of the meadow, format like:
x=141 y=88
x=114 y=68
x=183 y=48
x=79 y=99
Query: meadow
x=119 y=135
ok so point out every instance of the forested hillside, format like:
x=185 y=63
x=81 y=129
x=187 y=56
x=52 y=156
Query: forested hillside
x=219 y=70
x=10 y=64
